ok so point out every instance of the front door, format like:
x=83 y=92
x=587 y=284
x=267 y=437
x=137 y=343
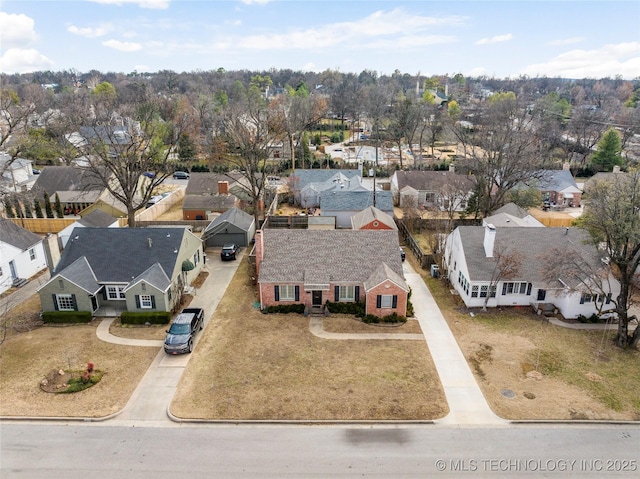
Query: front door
x=316 y=298
x=12 y=267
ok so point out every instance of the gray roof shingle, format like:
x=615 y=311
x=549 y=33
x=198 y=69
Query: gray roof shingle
x=97 y=219
x=324 y=256
x=370 y=214
x=303 y=177
x=355 y=200
x=121 y=254
x=54 y=179
x=79 y=272
x=431 y=180
x=17 y=236
x=234 y=216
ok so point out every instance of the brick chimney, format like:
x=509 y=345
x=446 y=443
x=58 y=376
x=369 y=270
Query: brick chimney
x=223 y=187
x=259 y=250
x=489 y=240
x=566 y=166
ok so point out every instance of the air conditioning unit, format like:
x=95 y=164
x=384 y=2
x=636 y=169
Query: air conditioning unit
x=435 y=271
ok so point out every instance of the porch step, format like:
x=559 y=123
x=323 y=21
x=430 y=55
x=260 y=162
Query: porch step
x=316 y=311
x=19 y=282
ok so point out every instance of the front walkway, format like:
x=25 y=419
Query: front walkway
x=315 y=326
x=467 y=405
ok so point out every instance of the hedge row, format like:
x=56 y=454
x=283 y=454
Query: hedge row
x=357 y=309
x=285 y=309
x=391 y=318
x=152 y=317
x=56 y=317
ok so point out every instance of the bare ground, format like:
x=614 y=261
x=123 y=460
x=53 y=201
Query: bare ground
x=343 y=323
x=555 y=373
x=27 y=358
x=248 y=365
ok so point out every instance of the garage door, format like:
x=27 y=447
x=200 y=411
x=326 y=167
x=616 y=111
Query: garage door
x=223 y=238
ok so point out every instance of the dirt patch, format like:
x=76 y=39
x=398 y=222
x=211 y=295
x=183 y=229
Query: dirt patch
x=338 y=323
x=138 y=331
x=250 y=365
x=200 y=279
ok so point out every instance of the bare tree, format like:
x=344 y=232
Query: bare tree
x=506 y=266
x=611 y=217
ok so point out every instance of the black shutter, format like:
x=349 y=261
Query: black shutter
x=394 y=304
x=75 y=303
x=55 y=301
x=297 y=292
x=276 y=292
x=582 y=299
x=153 y=301
x=137 y=301
x=357 y=294
x=504 y=289
x=529 y=289
x=336 y=293
x=378 y=301
x=104 y=292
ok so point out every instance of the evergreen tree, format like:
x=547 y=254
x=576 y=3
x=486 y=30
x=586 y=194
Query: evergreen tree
x=8 y=208
x=58 y=204
x=18 y=207
x=186 y=148
x=28 y=213
x=37 y=208
x=47 y=205
x=608 y=153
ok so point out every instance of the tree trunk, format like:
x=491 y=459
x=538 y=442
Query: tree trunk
x=131 y=218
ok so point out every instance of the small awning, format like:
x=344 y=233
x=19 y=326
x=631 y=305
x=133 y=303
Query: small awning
x=568 y=195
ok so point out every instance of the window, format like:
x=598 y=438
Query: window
x=516 y=288
x=65 y=302
x=287 y=292
x=0 y=271
x=196 y=257
x=32 y=254
x=386 y=301
x=483 y=290
x=145 y=301
x=474 y=291
x=115 y=292
x=347 y=293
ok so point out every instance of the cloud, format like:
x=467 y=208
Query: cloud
x=155 y=4
x=16 y=30
x=16 y=60
x=495 y=39
x=122 y=46
x=567 y=41
x=91 y=32
x=255 y=2
x=608 y=61
x=392 y=28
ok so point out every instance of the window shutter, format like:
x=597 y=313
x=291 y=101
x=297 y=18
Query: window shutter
x=582 y=299
x=608 y=298
x=504 y=289
x=357 y=294
x=104 y=292
x=394 y=304
x=297 y=292
x=529 y=289
x=336 y=293
x=138 y=301
x=276 y=292
x=75 y=303
x=378 y=301
x=55 y=301
x=153 y=301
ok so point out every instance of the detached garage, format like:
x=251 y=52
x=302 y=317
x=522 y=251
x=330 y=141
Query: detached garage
x=232 y=226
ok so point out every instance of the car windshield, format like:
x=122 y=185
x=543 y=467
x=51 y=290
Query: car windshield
x=179 y=329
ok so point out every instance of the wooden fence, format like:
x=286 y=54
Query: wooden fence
x=43 y=225
x=425 y=260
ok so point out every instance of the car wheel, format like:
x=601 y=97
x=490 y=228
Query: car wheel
x=190 y=345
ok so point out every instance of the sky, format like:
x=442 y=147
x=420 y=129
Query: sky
x=570 y=39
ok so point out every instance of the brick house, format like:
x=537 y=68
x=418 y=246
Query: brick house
x=372 y=218
x=312 y=267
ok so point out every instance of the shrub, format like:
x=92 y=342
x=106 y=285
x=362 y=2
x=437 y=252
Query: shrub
x=346 y=308
x=391 y=318
x=152 y=317
x=284 y=309
x=61 y=317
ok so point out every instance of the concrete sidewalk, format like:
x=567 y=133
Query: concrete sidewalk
x=10 y=301
x=467 y=405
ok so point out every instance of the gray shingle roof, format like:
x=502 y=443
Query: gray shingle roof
x=79 y=272
x=209 y=202
x=207 y=183
x=97 y=219
x=54 y=179
x=121 y=254
x=381 y=274
x=323 y=256
x=17 y=236
x=370 y=214
x=155 y=276
x=234 y=216
x=537 y=246
x=355 y=200
x=431 y=180
x=555 y=180
x=303 y=177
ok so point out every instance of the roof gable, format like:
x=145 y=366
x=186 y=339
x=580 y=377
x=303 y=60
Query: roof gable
x=234 y=216
x=428 y=180
x=301 y=178
x=54 y=179
x=381 y=274
x=371 y=214
x=355 y=200
x=80 y=273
